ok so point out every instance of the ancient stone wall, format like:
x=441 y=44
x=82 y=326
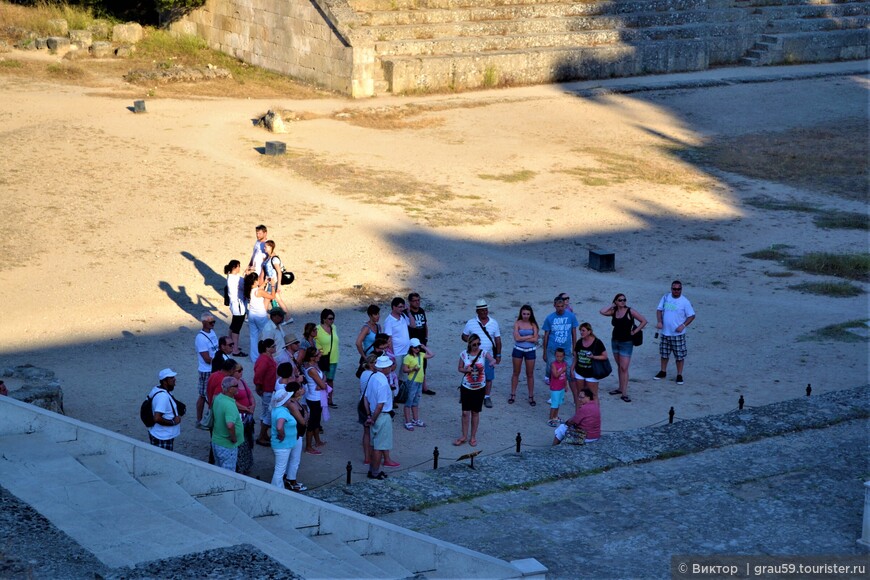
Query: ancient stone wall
x=313 y=40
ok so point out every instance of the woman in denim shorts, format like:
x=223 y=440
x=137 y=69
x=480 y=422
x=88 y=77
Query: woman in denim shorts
x=525 y=343
x=623 y=320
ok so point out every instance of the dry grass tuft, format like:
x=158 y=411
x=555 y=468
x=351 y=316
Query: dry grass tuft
x=515 y=177
x=604 y=167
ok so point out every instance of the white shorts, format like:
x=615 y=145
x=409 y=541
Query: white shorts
x=587 y=379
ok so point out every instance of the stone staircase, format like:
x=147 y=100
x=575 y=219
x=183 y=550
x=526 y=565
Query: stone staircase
x=128 y=503
x=442 y=45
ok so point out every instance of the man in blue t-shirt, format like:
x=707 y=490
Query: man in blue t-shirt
x=560 y=331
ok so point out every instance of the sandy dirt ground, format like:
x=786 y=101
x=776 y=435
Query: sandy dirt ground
x=116 y=227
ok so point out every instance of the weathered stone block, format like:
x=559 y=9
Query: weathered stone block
x=276 y=148
x=139 y=107
x=100 y=29
x=41 y=43
x=56 y=43
x=602 y=260
x=82 y=38
x=76 y=53
x=127 y=33
x=125 y=51
x=101 y=49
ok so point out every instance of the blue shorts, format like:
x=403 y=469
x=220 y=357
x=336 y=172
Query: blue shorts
x=521 y=353
x=557 y=398
x=488 y=370
x=622 y=348
x=414 y=390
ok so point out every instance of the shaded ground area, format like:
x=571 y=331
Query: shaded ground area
x=828 y=158
x=799 y=493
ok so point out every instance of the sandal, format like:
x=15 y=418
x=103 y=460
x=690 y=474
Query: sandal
x=313 y=451
x=511 y=400
x=532 y=402
x=298 y=488
x=626 y=398
x=473 y=442
x=615 y=392
x=460 y=441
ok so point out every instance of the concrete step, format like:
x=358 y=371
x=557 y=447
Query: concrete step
x=338 y=548
x=91 y=511
x=460 y=45
x=418 y=5
x=519 y=26
x=817 y=24
x=763 y=3
x=309 y=560
x=477 y=12
x=814 y=11
x=444 y=73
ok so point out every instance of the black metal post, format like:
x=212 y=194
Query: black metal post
x=349 y=469
x=519 y=442
x=809 y=389
x=435 y=459
x=671 y=416
x=740 y=402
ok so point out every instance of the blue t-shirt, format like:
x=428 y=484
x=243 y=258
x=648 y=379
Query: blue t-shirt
x=559 y=327
x=289 y=442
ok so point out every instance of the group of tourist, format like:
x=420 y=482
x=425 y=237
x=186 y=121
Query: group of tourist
x=295 y=378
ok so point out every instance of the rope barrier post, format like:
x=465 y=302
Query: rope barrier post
x=740 y=402
x=809 y=389
x=435 y=459
x=671 y=416
x=349 y=469
x=519 y=442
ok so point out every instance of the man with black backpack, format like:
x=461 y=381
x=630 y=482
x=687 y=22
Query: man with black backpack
x=166 y=415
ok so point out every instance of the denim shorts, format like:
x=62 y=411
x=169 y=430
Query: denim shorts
x=414 y=390
x=519 y=353
x=622 y=348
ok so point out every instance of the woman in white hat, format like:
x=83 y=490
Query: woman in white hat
x=283 y=435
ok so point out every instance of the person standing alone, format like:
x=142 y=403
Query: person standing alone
x=674 y=314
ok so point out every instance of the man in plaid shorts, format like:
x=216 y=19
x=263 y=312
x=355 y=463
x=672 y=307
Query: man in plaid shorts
x=167 y=421
x=674 y=314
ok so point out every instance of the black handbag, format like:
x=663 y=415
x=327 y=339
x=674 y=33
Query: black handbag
x=637 y=337
x=601 y=369
x=362 y=414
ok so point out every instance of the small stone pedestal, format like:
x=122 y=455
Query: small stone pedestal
x=602 y=260
x=138 y=106
x=276 y=148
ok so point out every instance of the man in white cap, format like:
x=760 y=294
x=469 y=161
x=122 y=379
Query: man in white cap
x=379 y=404
x=490 y=342
x=167 y=421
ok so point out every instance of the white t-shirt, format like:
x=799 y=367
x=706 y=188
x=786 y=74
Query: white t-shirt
x=259 y=255
x=473 y=327
x=234 y=290
x=162 y=403
x=675 y=311
x=205 y=342
x=379 y=392
x=398 y=329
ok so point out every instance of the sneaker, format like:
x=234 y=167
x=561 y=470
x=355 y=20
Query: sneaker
x=487 y=402
x=201 y=427
x=419 y=423
x=660 y=375
x=546 y=380
x=428 y=392
x=553 y=423
x=679 y=379
x=409 y=426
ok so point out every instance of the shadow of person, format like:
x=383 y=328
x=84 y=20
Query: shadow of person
x=191 y=305
x=209 y=276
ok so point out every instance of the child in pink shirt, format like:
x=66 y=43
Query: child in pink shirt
x=558 y=382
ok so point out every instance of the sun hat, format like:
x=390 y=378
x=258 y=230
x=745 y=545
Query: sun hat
x=383 y=362
x=279 y=397
x=481 y=304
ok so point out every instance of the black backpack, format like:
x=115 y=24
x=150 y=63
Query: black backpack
x=146 y=412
